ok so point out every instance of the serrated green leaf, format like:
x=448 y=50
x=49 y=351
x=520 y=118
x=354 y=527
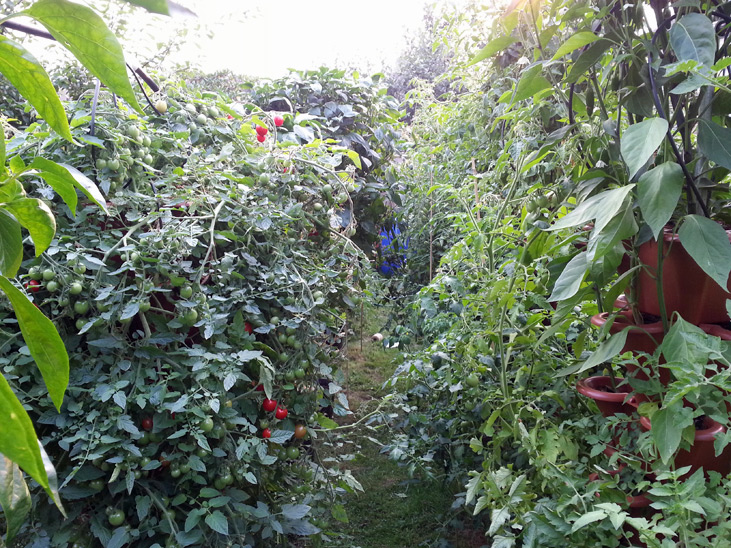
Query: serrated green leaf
x=586 y=519
x=338 y=512
x=640 y=141
x=15 y=500
x=708 y=244
x=658 y=192
x=84 y=33
x=578 y=40
x=325 y=422
x=667 y=428
x=43 y=341
x=31 y=80
x=217 y=522
x=37 y=218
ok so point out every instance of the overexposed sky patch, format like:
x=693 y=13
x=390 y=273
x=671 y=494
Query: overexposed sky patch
x=265 y=38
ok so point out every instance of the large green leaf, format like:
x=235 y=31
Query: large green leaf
x=693 y=37
x=14 y=496
x=708 y=244
x=588 y=59
x=603 y=206
x=621 y=227
x=658 y=192
x=606 y=351
x=578 y=40
x=714 y=142
x=61 y=176
x=493 y=47
x=84 y=33
x=11 y=244
x=569 y=282
x=529 y=86
x=688 y=344
x=43 y=341
x=155 y=6
x=37 y=218
x=667 y=428
x=18 y=441
x=33 y=83
x=640 y=141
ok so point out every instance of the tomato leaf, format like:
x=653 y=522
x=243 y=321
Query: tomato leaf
x=80 y=30
x=32 y=81
x=14 y=496
x=43 y=341
x=217 y=522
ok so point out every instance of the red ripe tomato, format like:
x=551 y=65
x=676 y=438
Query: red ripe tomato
x=281 y=413
x=248 y=328
x=229 y=117
x=261 y=138
x=34 y=286
x=269 y=405
x=261 y=130
x=266 y=433
x=278 y=121
x=300 y=431
x=147 y=424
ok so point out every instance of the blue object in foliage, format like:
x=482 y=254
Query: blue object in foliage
x=392 y=261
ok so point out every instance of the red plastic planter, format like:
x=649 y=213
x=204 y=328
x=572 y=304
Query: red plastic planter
x=609 y=403
x=701 y=453
x=686 y=288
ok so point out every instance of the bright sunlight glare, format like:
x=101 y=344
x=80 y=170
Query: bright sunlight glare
x=264 y=38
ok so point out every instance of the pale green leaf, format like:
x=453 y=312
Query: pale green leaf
x=11 y=245
x=708 y=244
x=667 y=428
x=53 y=172
x=603 y=206
x=586 y=519
x=607 y=350
x=15 y=499
x=569 y=282
x=37 y=218
x=640 y=141
x=658 y=192
x=693 y=37
x=714 y=142
x=578 y=40
x=80 y=30
x=33 y=83
x=43 y=341
x=492 y=48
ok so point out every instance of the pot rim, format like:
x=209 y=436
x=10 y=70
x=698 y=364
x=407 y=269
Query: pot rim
x=587 y=387
x=621 y=321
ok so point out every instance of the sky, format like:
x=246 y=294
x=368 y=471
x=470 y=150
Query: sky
x=265 y=38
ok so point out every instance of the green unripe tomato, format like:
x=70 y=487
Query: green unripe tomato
x=80 y=268
x=190 y=316
x=186 y=292
x=144 y=306
x=201 y=119
x=76 y=288
x=81 y=307
x=52 y=286
x=289 y=376
x=116 y=518
x=472 y=380
x=206 y=424
x=113 y=164
x=101 y=163
x=293 y=453
x=148 y=159
x=263 y=179
x=146 y=141
x=35 y=273
x=80 y=323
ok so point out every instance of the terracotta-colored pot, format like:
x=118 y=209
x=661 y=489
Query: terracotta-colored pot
x=609 y=401
x=701 y=453
x=640 y=338
x=686 y=288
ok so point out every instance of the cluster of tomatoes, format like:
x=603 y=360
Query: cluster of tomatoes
x=262 y=131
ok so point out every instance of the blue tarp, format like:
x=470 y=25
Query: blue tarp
x=391 y=250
